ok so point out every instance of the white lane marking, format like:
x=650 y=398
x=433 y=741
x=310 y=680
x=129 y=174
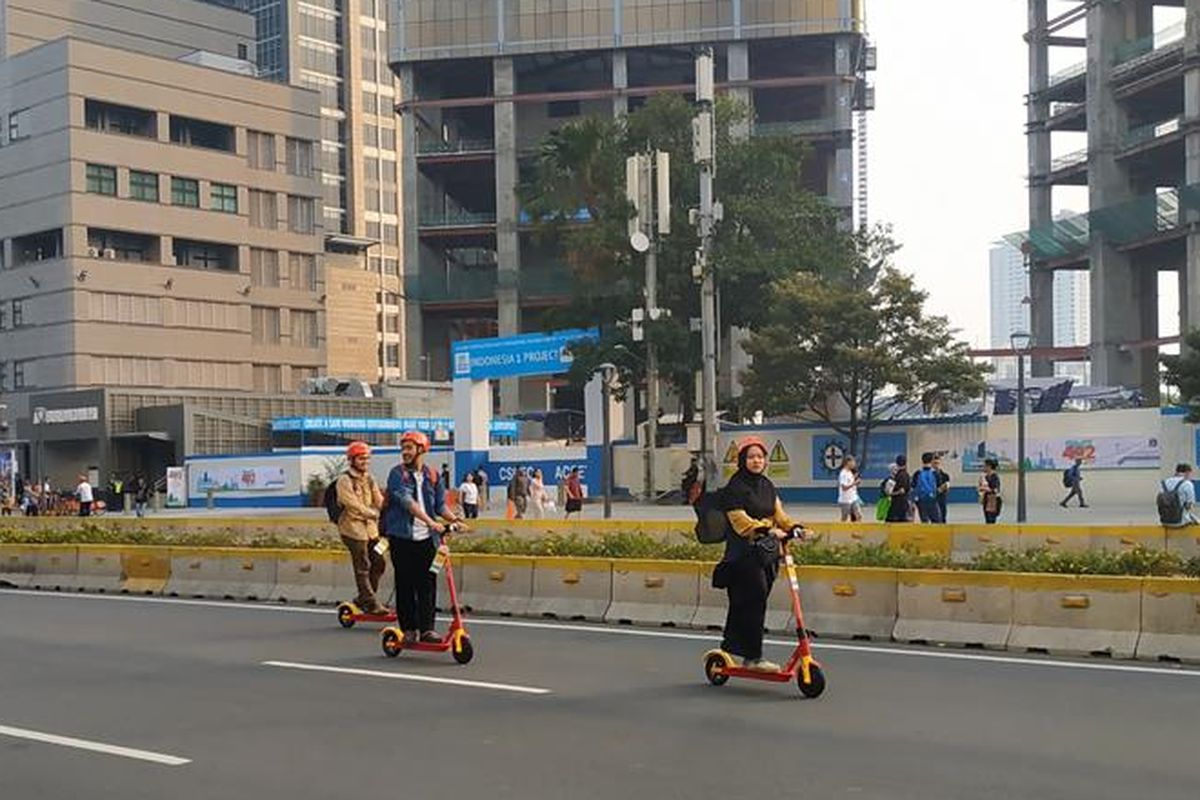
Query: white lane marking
x=96 y=747
x=405 y=676
x=652 y=633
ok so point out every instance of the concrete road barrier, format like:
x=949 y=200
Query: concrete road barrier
x=247 y=573
x=1170 y=627
x=99 y=569
x=712 y=604
x=968 y=608
x=1123 y=538
x=495 y=584
x=925 y=539
x=56 y=567
x=144 y=570
x=307 y=576
x=195 y=572
x=1076 y=614
x=654 y=592
x=968 y=541
x=572 y=588
x=850 y=533
x=17 y=564
x=858 y=602
x=1184 y=542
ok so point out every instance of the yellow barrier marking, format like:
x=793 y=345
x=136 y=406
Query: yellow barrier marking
x=194 y=565
x=654 y=583
x=571 y=578
x=1075 y=601
x=145 y=562
x=985 y=539
x=856 y=535
x=1053 y=540
x=954 y=595
x=844 y=590
x=248 y=566
x=307 y=568
x=1127 y=540
x=496 y=576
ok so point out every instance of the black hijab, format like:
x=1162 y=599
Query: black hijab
x=754 y=494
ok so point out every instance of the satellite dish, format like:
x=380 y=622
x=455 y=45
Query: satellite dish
x=640 y=242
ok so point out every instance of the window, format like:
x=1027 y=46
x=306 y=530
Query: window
x=370 y=103
x=301 y=214
x=264 y=325
x=391 y=234
x=198 y=133
x=260 y=150
x=392 y=323
x=3 y=376
x=18 y=313
x=391 y=266
x=388 y=172
x=370 y=136
x=373 y=230
x=371 y=168
x=302 y=374
x=562 y=108
x=300 y=157
x=393 y=355
x=224 y=198
x=264 y=267
x=18 y=378
x=371 y=198
x=35 y=247
x=304 y=328
x=113 y=118
x=243 y=51
x=206 y=255
x=123 y=246
x=264 y=211
x=102 y=179
x=3 y=316
x=374 y=265
x=368 y=38
x=387 y=138
x=302 y=271
x=185 y=192
x=19 y=124
x=143 y=186
x=389 y=202
x=266 y=379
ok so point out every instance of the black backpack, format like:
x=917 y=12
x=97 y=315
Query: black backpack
x=711 y=522
x=1170 y=507
x=1067 y=482
x=333 y=509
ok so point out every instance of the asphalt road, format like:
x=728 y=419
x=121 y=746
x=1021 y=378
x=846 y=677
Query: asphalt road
x=565 y=711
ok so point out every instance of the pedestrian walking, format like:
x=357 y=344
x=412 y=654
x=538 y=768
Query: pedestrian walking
x=1073 y=480
x=446 y=476
x=574 y=494
x=989 y=491
x=849 y=480
x=481 y=480
x=468 y=495
x=518 y=493
x=1176 y=498
x=925 y=491
x=139 y=490
x=84 y=493
x=537 y=495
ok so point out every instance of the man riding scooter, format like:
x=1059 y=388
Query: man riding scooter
x=416 y=499
x=360 y=500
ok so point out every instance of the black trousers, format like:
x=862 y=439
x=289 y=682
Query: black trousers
x=416 y=586
x=750 y=578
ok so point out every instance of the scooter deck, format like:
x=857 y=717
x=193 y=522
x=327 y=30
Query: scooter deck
x=758 y=675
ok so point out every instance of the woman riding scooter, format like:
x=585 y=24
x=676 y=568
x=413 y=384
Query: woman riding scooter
x=757 y=523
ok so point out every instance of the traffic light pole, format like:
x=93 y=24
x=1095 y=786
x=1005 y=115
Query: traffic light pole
x=704 y=152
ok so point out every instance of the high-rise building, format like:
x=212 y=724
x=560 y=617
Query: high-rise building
x=483 y=82
x=1129 y=85
x=160 y=233
x=338 y=48
x=1008 y=299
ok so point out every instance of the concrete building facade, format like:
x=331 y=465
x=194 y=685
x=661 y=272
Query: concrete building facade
x=338 y=49
x=160 y=224
x=1134 y=90
x=481 y=83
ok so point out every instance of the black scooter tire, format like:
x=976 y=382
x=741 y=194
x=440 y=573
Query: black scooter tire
x=816 y=686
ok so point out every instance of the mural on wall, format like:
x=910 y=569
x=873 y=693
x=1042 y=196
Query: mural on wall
x=828 y=450
x=241 y=479
x=176 y=487
x=1048 y=455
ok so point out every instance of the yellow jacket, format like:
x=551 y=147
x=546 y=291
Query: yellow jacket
x=361 y=502
x=747 y=526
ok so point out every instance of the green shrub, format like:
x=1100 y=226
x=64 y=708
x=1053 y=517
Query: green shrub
x=1138 y=561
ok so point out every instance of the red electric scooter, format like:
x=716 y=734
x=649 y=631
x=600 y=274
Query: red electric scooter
x=719 y=666
x=456 y=640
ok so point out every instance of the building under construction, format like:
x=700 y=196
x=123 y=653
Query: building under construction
x=483 y=82
x=1133 y=86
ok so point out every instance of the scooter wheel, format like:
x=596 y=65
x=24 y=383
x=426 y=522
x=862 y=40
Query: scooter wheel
x=466 y=653
x=712 y=670
x=815 y=686
x=391 y=641
x=345 y=616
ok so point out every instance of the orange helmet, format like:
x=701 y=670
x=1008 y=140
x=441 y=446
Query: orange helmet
x=417 y=438
x=751 y=441
x=355 y=449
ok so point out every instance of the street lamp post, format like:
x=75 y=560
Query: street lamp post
x=1020 y=341
x=606 y=371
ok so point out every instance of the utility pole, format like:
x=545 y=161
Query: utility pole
x=704 y=153
x=648 y=186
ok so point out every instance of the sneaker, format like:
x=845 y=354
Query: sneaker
x=761 y=665
x=410 y=636
x=430 y=637
x=378 y=610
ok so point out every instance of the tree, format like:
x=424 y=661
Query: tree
x=1183 y=373
x=832 y=346
x=772 y=227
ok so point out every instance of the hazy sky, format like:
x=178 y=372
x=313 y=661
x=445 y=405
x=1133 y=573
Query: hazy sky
x=947 y=144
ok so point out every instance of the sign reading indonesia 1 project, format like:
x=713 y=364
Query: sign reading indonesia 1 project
x=513 y=356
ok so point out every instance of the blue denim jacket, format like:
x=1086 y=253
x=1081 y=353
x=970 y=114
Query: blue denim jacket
x=401 y=490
